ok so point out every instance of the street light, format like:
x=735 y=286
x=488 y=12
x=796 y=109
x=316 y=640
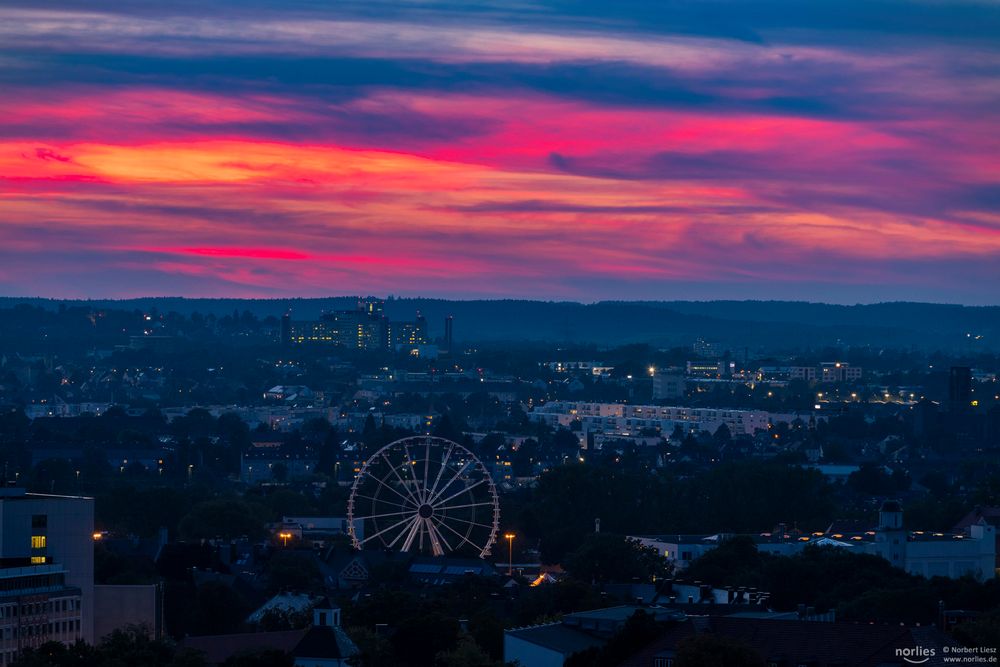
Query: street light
x=284 y=538
x=510 y=553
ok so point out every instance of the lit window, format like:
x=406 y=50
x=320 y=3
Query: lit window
x=37 y=541
x=38 y=560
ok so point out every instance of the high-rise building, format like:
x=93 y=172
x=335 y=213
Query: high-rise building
x=46 y=570
x=286 y=329
x=668 y=385
x=959 y=388
x=406 y=334
x=449 y=323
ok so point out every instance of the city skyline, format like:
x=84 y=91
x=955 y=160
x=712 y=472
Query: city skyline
x=837 y=152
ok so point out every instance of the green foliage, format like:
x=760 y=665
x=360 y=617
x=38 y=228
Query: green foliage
x=218 y=610
x=129 y=647
x=225 y=518
x=466 y=653
x=604 y=557
x=417 y=640
x=278 y=618
x=373 y=650
x=294 y=571
x=860 y=587
x=982 y=631
x=142 y=511
x=735 y=562
x=741 y=497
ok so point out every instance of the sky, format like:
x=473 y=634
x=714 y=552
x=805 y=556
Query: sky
x=842 y=151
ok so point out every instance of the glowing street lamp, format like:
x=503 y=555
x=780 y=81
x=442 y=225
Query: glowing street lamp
x=510 y=553
x=284 y=538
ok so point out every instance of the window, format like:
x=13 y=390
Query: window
x=38 y=560
x=663 y=662
x=39 y=520
x=38 y=541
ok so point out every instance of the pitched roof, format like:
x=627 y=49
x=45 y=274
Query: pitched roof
x=218 y=648
x=990 y=514
x=557 y=637
x=325 y=642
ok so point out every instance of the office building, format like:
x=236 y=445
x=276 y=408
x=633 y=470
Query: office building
x=46 y=570
x=838 y=371
x=959 y=388
x=449 y=323
x=364 y=327
x=407 y=335
x=668 y=385
x=624 y=419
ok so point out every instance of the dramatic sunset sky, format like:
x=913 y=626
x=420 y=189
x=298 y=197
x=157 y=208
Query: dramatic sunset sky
x=843 y=151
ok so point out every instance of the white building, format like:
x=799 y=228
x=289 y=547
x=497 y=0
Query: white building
x=918 y=552
x=668 y=385
x=47 y=571
x=624 y=419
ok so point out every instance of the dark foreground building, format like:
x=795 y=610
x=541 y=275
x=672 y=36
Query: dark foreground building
x=784 y=643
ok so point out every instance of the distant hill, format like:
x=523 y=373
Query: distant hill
x=770 y=324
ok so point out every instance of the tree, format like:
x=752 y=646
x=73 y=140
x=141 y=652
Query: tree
x=224 y=518
x=129 y=646
x=466 y=653
x=293 y=570
x=608 y=557
x=219 y=610
x=419 y=639
x=735 y=562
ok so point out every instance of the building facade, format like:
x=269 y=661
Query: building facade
x=46 y=570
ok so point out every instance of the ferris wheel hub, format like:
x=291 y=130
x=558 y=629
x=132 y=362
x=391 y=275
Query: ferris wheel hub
x=424 y=494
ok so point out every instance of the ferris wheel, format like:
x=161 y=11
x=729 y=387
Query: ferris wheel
x=426 y=495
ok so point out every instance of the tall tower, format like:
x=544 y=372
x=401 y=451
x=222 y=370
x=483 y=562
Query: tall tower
x=449 y=333
x=890 y=536
x=959 y=388
x=286 y=329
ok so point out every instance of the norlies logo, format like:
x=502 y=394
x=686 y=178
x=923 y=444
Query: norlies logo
x=917 y=655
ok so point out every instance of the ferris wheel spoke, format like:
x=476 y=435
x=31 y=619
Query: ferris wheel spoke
x=386 y=530
x=413 y=498
x=458 y=509
x=405 y=499
x=407 y=529
x=463 y=537
x=382 y=516
x=471 y=523
x=438 y=508
x=412 y=533
x=444 y=466
x=458 y=493
x=416 y=483
x=436 y=538
x=427 y=463
x=451 y=481
x=383 y=501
